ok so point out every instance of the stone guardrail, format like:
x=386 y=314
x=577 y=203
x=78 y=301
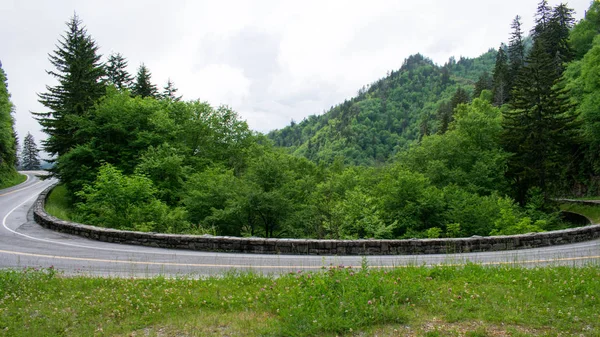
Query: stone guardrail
x=314 y=246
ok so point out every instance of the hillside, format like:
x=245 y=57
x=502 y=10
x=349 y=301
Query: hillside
x=386 y=115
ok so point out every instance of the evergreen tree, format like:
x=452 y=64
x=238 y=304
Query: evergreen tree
x=79 y=73
x=446 y=110
x=116 y=71
x=30 y=159
x=7 y=133
x=143 y=85
x=516 y=50
x=538 y=128
x=483 y=83
x=169 y=91
x=461 y=96
x=558 y=45
x=543 y=16
x=500 y=79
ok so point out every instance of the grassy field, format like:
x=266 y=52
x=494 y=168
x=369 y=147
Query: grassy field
x=592 y=212
x=414 y=301
x=12 y=180
x=57 y=204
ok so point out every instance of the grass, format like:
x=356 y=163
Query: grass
x=592 y=212
x=588 y=198
x=12 y=180
x=57 y=204
x=441 y=301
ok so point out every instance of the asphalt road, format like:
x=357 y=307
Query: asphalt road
x=24 y=244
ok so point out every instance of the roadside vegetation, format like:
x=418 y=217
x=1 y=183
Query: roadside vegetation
x=12 y=180
x=440 y=301
x=592 y=212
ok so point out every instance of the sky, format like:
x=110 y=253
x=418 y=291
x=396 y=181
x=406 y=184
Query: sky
x=271 y=61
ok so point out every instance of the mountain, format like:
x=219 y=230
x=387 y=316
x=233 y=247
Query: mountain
x=386 y=115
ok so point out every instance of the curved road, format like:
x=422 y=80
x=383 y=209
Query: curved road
x=23 y=244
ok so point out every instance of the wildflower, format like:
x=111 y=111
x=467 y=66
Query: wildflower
x=370 y=302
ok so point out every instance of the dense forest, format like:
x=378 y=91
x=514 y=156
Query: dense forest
x=474 y=147
x=389 y=114
x=8 y=136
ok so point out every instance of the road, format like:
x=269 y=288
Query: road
x=24 y=244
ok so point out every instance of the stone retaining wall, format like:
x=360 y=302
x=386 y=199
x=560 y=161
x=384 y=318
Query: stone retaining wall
x=312 y=246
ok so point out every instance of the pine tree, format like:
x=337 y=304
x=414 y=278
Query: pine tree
x=446 y=109
x=7 y=133
x=516 y=50
x=169 y=91
x=143 y=85
x=483 y=83
x=116 y=71
x=79 y=73
x=559 y=29
x=538 y=127
x=543 y=16
x=500 y=78
x=30 y=159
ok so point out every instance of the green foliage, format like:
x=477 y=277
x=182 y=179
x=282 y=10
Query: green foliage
x=116 y=72
x=538 y=128
x=79 y=73
x=584 y=32
x=143 y=85
x=501 y=77
x=469 y=155
x=441 y=164
x=127 y=202
x=12 y=179
x=165 y=167
x=8 y=144
x=385 y=116
x=59 y=204
x=507 y=300
x=582 y=79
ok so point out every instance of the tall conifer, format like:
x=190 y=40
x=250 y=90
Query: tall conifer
x=143 y=86
x=79 y=73
x=500 y=78
x=116 y=71
x=538 y=128
x=516 y=50
x=30 y=159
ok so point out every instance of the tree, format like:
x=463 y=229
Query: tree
x=169 y=91
x=582 y=77
x=446 y=110
x=583 y=33
x=538 y=128
x=543 y=16
x=516 y=50
x=30 y=159
x=552 y=28
x=79 y=73
x=7 y=134
x=483 y=83
x=501 y=77
x=116 y=71
x=143 y=85
x=558 y=45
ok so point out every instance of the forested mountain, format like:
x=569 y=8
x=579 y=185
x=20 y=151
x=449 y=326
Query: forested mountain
x=387 y=115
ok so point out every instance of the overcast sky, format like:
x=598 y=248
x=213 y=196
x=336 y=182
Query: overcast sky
x=271 y=61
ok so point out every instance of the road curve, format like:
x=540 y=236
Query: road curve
x=23 y=243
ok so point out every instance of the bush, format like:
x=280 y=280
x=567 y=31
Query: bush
x=127 y=202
